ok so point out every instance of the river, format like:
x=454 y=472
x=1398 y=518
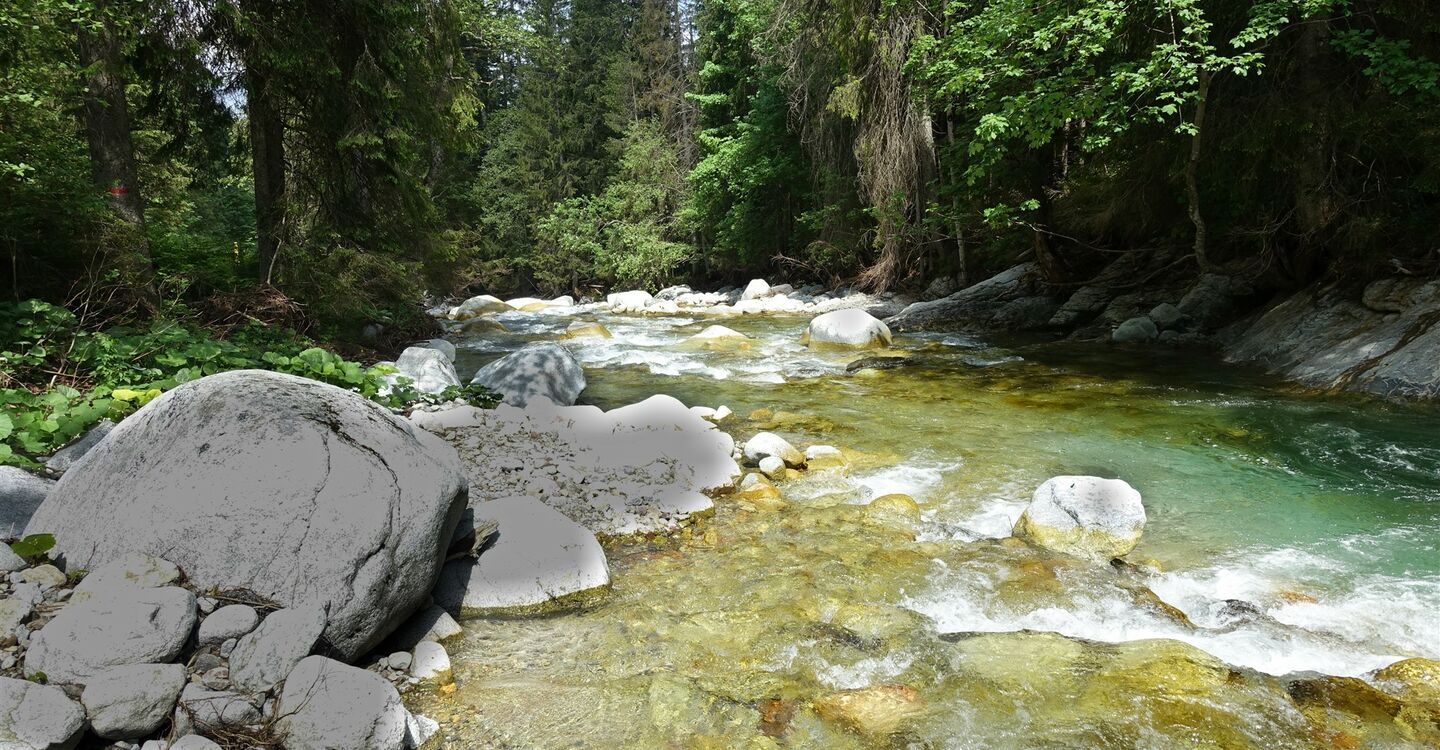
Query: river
x=1288 y=534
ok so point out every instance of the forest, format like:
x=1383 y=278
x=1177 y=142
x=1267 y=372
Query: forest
x=354 y=157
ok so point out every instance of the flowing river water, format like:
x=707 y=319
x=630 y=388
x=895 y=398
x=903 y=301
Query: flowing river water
x=1289 y=536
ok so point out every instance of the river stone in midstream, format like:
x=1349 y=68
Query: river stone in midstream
x=1290 y=537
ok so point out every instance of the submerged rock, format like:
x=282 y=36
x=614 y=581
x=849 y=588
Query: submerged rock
x=1084 y=516
x=317 y=494
x=581 y=329
x=849 y=329
x=878 y=363
x=879 y=710
x=538 y=556
x=718 y=337
x=543 y=369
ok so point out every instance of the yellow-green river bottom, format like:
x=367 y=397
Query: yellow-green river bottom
x=1292 y=549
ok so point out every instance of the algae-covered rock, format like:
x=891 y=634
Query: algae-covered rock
x=893 y=508
x=876 y=710
x=1084 y=516
x=581 y=329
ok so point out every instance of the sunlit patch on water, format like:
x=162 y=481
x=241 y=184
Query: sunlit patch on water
x=1286 y=535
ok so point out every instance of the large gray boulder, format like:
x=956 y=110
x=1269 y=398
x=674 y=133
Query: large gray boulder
x=847 y=329
x=21 y=493
x=133 y=701
x=294 y=489
x=540 y=369
x=537 y=556
x=1084 y=516
x=38 y=717
x=132 y=626
x=974 y=305
x=1136 y=330
x=327 y=705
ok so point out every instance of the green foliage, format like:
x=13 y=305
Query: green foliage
x=62 y=379
x=34 y=546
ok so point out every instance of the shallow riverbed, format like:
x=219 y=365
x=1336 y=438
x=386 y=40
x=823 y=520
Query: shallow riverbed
x=1287 y=534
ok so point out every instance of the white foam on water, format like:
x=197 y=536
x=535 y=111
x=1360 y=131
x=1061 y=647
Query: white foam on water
x=864 y=673
x=918 y=480
x=1351 y=631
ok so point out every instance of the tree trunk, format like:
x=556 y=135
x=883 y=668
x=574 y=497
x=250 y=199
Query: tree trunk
x=1192 y=172
x=106 y=117
x=1314 y=199
x=267 y=154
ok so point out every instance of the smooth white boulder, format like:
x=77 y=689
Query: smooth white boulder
x=327 y=705
x=540 y=369
x=429 y=370
x=773 y=467
x=1084 y=516
x=38 y=717
x=136 y=626
x=756 y=289
x=477 y=306
x=291 y=488
x=231 y=621
x=537 y=556
x=430 y=662
x=133 y=701
x=631 y=301
x=851 y=328
x=769 y=444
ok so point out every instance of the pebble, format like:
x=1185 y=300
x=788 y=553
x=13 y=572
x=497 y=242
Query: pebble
x=217 y=679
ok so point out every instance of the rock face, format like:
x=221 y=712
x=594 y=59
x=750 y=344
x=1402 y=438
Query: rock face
x=310 y=492
x=133 y=701
x=21 y=493
x=478 y=306
x=67 y=456
x=137 y=626
x=976 y=304
x=1325 y=339
x=38 y=717
x=540 y=369
x=538 y=555
x=1084 y=516
x=430 y=370
x=848 y=329
x=327 y=705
